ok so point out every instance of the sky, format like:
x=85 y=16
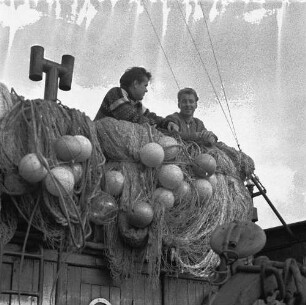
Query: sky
x=246 y=59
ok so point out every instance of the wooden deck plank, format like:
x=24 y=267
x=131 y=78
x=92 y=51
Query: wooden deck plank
x=35 y=282
x=199 y=293
x=152 y=294
x=148 y=291
x=6 y=276
x=49 y=284
x=4 y=299
x=181 y=292
x=24 y=300
x=172 y=300
x=73 y=285
x=127 y=292
x=22 y=278
x=139 y=290
x=115 y=295
x=191 y=289
x=207 y=292
x=6 y=279
x=85 y=294
x=166 y=293
x=156 y=294
x=96 y=276
x=95 y=291
x=62 y=283
x=104 y=292
x=22 y=281
x=84 y=260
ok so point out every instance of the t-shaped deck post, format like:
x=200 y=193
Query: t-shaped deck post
x=53 y=70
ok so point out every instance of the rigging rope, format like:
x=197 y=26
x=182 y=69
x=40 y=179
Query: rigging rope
x=206 y=71
x=156 y=34
x=229 y=122
x=220 y=78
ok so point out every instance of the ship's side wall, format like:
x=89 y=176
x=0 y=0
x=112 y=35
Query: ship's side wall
x=281 y=245
x=81 y=278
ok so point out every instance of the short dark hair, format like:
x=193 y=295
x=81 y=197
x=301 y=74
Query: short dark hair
x=187 y=91
x=132 y=74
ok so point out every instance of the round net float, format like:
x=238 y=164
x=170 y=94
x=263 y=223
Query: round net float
x=204 y=165
x=132 y=236
x=31 y=169
x=183 y=191
x=140 y=215
x=103 y=208
x=152 y=155
x=67 y=148
x=239 y=238
x=76 y=169
x=60 y=181
x=86 y=148
x=170 y=147
x=164 y=196
x=170 y=176
x=114 y=182
x=204 y=189
x=212 y=180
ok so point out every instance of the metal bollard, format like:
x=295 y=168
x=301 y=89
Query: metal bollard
x=53 y=70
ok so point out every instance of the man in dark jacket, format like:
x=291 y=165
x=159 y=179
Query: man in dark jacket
x=190 y=128
x=124 y=102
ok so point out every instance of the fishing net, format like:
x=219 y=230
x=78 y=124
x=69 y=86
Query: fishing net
x=8 y=226
x=32 y=126
x=6 y=102
x=8 y=219
x=189 y=224
x=129 y=247
x=178 y=238
x=8 y=223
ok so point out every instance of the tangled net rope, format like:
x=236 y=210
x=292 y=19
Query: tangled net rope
x=128 y=247
x=177 y=240
x=186 y=227
x=32 y=126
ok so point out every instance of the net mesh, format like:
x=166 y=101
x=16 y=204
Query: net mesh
x=32 y=126
x=177 y=240
x=185 y=229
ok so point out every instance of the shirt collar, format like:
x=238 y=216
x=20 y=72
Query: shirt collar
x=126 y=94
x=189 y=121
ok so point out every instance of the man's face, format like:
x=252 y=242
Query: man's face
x=187 y=104
x=140 y=89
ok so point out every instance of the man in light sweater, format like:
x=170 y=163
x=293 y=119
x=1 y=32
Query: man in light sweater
x=190 y=127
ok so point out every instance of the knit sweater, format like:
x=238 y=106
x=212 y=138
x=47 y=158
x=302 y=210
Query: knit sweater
x=187 y=130
x=118 y=104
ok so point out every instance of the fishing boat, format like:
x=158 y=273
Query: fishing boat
x=80 y=240
x=57 y=249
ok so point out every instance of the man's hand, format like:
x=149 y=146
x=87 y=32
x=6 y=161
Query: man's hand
x=209 y=136
x=172 y=127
